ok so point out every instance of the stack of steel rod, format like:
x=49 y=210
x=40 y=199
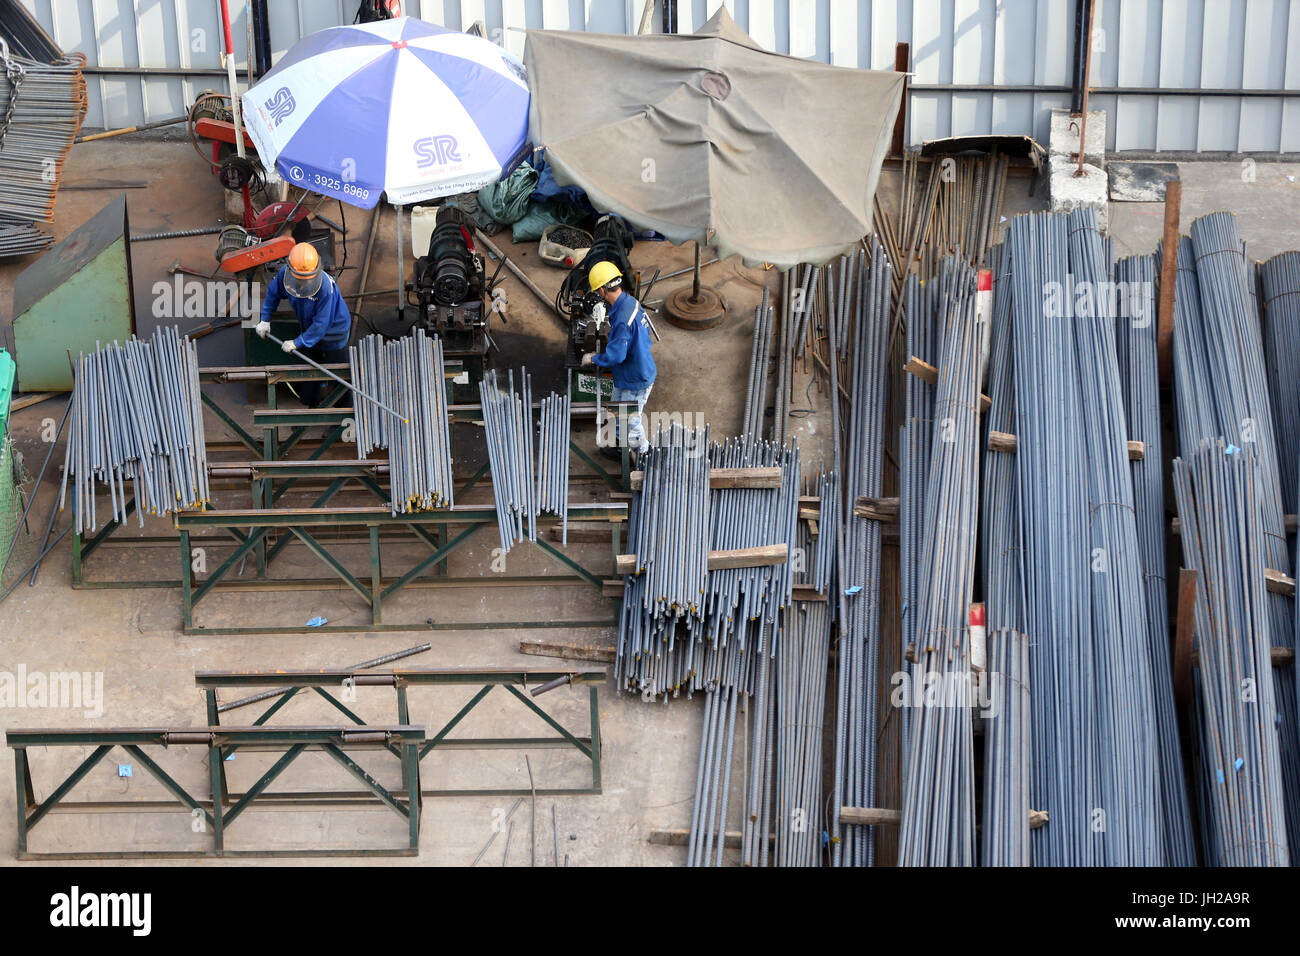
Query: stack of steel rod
x=508 y=432
x=801 y=662
x=717 y=746
x=405 y=374
x=1221 y=386
x=1125 y=708
x=22 y=238
x=818 y=545
x=1240 y=766
x=1004 y=833
x=859 y=333
x=1135 y=278
x=137 y=421
x=1280 y=278
x=756 y=392
x=1004 y=583
x=41 y=109
x=1095 y=763
x=553 y=458
x=677 y=615
x=938 y=825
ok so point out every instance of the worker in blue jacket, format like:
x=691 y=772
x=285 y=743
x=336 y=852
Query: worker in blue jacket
x=324 y=323
x=627 y=353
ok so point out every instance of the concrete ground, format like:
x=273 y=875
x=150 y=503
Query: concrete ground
x=133 y=637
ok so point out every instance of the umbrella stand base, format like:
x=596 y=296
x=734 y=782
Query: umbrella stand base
x=708 y=310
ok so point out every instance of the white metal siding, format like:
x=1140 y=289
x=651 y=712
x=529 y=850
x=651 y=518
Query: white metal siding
x=1146 y=44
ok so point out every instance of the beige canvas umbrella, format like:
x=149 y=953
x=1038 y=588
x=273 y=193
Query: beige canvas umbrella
x=709 y=138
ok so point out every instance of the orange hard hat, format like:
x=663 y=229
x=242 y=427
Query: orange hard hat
x=304 y=260
x=304 y=277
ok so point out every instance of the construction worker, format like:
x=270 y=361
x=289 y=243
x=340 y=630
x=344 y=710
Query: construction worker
x=626 y=355
x=324 y=323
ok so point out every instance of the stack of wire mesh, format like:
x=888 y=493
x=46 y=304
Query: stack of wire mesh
x=1221 y=388
x=1004 y=830
x=41 y=109
x=1135 y=279
x=858 y=329
x=136 y=425
x=938 y=822
x=1241 y=784
x=1095 y=762
x=406 y=374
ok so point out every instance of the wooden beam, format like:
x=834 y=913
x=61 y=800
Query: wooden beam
x=1007 y=443
x=760 y=557
x=1279 y=583
x=801 y=592
x=1278 y=657
x=611 y=587
x=928 y=373
x=662 y=836
x=1168 y=283
x=584 y=532
x=902 y=57
x=877 y=509
x=568 y=652
x=879 y=817
x=27 y=401
x=728 y=478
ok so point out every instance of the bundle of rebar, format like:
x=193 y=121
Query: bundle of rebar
x=756 y=390
x=713 y=771
x=41 y=109
x=1280 y=279
x=22 y=238
x=677 y=616
x=1004 y=586
x=508 y=432
x=405 y=374
x=1217 y=486
x=938 y=824
x=553 y=458
x=1135 y=281
x=1095 y=760
x=136 y=425
x=858 y=329
x=1221 y=387
x=1004 y=831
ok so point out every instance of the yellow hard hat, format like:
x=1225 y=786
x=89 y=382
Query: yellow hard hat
x=602 y=274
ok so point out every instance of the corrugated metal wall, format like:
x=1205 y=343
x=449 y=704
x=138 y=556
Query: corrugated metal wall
x=1013 y=56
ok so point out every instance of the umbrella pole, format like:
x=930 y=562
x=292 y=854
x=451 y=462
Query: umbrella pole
x=401 y=275
x=695 y=288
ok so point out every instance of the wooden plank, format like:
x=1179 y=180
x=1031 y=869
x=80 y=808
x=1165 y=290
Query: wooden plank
x=1007 y=443
x=759 y=557
x=877 y=509
x=870 y=816
x=1278 y=657
x=568 y=652
x=763 y=477
x=902 y=57
x=662 y=836
x=801 y=592
x=1279 y=582
x=1168 y=283
x=587 y=532
x=928 y=373
x=27 y=401
x=612 y=587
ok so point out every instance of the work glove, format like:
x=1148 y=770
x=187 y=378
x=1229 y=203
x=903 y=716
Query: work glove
x=289 y=345
x=587 y=359
x=262 y=328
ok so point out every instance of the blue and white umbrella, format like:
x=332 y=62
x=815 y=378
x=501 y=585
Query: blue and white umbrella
x=401 y=107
